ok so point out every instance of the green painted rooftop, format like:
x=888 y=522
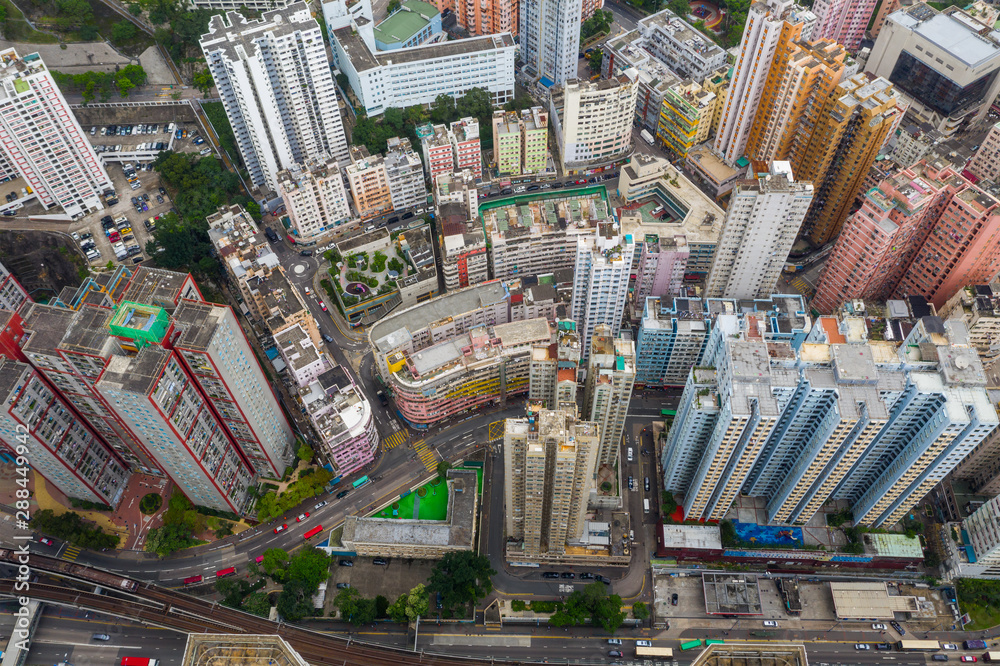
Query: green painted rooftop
x=402 y=25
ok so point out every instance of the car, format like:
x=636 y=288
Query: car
x=301 y=517
x=159 y=198
x=586 y=575
x=949 y=646
x=86 y=247
x=614 y=641
x=603 y=579
x=87 y=235
x=138 y=260
x=770 y=623
x=163 y=190
x=615 y=653
x=939 y=657
x=45 y=540
x=550 y=574
x=308 y=291
x=382 y=399
x=556 y=186
x=75 y=236
x=342 y=494
x=407 y=215
x=898 y=627
x=438 y=601
x=643 y=644
x=631 y=483
x=320 y=505
x=380 y=562
x=878 y=626
x=506 y=190
x=100 y=637
x=862 y=646
x=322 y=305
x=883 y=646
x=206 y=151
x=582 y=181
x=145 y=207
x=281 y=528
x=346 y=563
x=567 y=574
x=343 y=586
x=327 y=338
x=966 y=658
x=112 y=201
x=673 y=599
x=306 y=253
x=532 y=188
x=646 y=484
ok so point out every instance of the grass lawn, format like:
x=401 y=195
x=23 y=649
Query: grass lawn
x=982 y=618
x=432 y=506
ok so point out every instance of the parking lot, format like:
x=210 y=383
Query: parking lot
x=398 y=576
x=130 y=202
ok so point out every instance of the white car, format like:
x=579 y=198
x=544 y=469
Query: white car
x=770 y=623
x=949 y=646
x=862 y=646
x=643 y=644
x=878 y=626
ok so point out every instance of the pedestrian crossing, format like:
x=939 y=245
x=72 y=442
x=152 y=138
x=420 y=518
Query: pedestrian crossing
x=801 y=285
x=426 y=456
x=70 y=553
x=395 y=439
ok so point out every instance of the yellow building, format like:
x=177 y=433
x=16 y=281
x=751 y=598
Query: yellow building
x=369 y=183
x=718 y=82
x=686 y=116
x=799 y=83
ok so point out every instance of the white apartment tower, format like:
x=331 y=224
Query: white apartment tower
x=600 y=281
x=553 y=370
x=765 y=23
x=763 y=218
x=277 y=87
x=610 y=377
x=593 y=120
x=550 y=461
x=315 y=199
x=41 y=140
x=550 y=38
x=405 y=173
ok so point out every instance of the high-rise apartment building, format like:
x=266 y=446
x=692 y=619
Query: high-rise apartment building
x=486 y=17
x=277 y=87
x=464 y=137
x=771 y=28
x=600 y=281
x=550 y=38
x=925 y=231
x=550 y=462
x=315 y=199
x=593 y=120
x=852 y=126
x=802 y=78
x=461 y=246
x=41 y=140
x=874 y=423
x=608 y=390
x=12 y=294
x=686 y=116
x=552 y=375
x=762 y=221
x=631 y=52
x=369 y=183
x=945 y=63
x=60 y=446
x=985 y=165
x=983 y=530
x=405 y=174
x=520 y=143
x=439 y=156
x=662 y=264
x=843 y=21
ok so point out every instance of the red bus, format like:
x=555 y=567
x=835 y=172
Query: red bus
x=138 y=661
x=313 y=532
x=191 y=580
x=222 y=573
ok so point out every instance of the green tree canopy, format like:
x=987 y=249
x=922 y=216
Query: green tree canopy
x=275 y=564
x=310 y=566
x=410 y=605
x=461 y=578
x=123 y=31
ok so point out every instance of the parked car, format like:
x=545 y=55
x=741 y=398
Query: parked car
x=280 y=528
x=46 y=541
x=342 y=586
x=673 y=599
x=862 y=646
x=346 y=563
x=898 y=627
x=380 y=562
x=878 y=626
x=320 y=505
x=770 y=623
x=615 y=653
x=614 y=641
x=550 y=574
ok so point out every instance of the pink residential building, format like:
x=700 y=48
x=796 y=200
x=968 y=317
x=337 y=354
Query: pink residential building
x=439 y=156
x=923 y=231
x=843 y=21
x=661 y=269
x=464 y=135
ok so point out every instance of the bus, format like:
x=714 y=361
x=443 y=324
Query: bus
x=992 y=655
x=690 y=645
x=668 y=412
x=313 y=532
x=138 y=661
x=360 y=482
x=918 y=646
x=974 y=645
x=191 y=580
x=641 y=651
x=222 y=573
x=714 y=641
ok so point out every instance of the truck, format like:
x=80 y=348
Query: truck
x=138 y=661
x=646 y=136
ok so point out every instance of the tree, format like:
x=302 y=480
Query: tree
x=257 y=603
x=275 y=564
x=76 y=12
x=168 y=539
x=608 y=612
x=680 y=7
x=442 y=468
x=134 y=8
x=364 y=611
x=381 y=606
x=309 y=566
x=393 y=6
x=124 y=86
x=410 y=605
x=203 y=80
x=88 y=33
x=346 y=602
x=393 y=118
x=295 y=601
x=640 y=610
x=123 y=31
x=305 y=453
x=594 y=60
x=462 y=578
x=443 y=108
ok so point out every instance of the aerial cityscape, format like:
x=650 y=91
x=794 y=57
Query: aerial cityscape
x=636 y=332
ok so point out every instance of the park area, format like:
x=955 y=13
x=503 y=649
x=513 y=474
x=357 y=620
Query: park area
x=428 y=502
x=359 y=276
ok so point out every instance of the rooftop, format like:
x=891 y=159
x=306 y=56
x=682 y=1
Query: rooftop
x=138 y=322
x=135 y=374
x=197 y=323
x=239 y=650
x=858 y=600
x=731 y=594
x=955 y=32
x=412 y=17
x=234 y=34
x=48 y=326
x=156 y=286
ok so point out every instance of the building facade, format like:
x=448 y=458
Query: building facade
x=405 y=175
x=315 y=199
x=277 y=87
x=762 y=221
x=610 y=377
x=593 y=121
x=600 y=281
x=686 y=116
x=520 y=142
x=42 y=142
x=985 y=165
x=464 y=137
x=843 y=21
x=369 y=183
x=550 y=38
